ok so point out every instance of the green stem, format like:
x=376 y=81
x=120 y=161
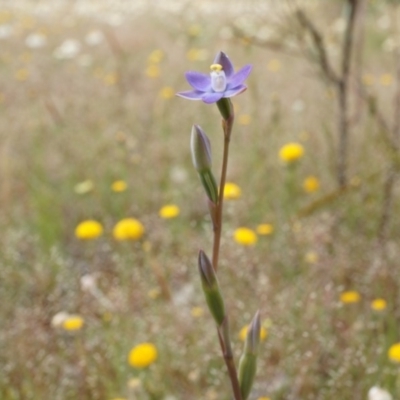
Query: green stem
x=227 y=126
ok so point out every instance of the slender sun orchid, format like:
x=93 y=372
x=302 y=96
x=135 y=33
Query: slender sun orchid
x=221 y=82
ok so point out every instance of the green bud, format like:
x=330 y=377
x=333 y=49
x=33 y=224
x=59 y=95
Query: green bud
x=247 y=372
x=201 y=149
x=210 y=185
x=225 y=107
x=211 y=289
x=248 y=361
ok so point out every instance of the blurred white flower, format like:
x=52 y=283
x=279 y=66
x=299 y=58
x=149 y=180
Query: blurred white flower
x=85 y=60
x=339 y=25
x=298 y=106
x=36 y=40
x=376 y=393
x=389 y=44
x=383 y=22
x=68 y=49
x=114 y=20
x=5 y=31
x=94 y=38
x=58 y=319
x=88 y=283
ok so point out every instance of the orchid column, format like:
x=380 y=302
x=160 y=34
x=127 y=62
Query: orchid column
x=218 y=87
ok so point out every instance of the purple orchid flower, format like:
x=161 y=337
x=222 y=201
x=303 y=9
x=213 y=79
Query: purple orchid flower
x=222 y=81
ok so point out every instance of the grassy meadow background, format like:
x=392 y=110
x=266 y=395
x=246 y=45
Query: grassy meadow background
x=80 y=115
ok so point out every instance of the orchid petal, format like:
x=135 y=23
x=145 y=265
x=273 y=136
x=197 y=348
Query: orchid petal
x=222 y=59
x=235 y=91
x=212 y=97
x=239 y=77
x=191 y=95
x=198 y=81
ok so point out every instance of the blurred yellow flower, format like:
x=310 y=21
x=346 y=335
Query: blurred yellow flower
x=21 y=74
x=142 y=355
x=350 y=296
x=245 y=236
x=291 y=152
x=73 y=323
x=264 y=398
x=88 y=230
x=197 y=312
x=153 y=71
x=155 y=56
x=386 y=79
x=265 y=229
x=244 y=119
x=232 y=191
x=197 y=54
x=118 y=398
x=128 y=229
x=274 y=65
x=154 y=293
x=368 y=79
x=119 y=186
x=311 y=257
x=167 y=92
x=110 y=79
x=311 y=184
x=394 y=352
x=84 y=187
x=378 y=304
x=243 y=333
x=194 y=30
x=169 y=211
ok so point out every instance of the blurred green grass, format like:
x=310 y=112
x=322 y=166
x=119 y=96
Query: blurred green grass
x=64 y=124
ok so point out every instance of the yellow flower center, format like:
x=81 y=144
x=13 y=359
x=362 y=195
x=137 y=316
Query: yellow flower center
x=216 y=67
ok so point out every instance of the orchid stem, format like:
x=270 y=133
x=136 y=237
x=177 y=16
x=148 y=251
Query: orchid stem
x=227 y=125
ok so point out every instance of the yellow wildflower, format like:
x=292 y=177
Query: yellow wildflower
x=88 y=230
x=142 y=355
x=245 y=236
x=291 y=152
x=386 y=79
x=311 y=257
x=167 y=92
x=73 y=323
x=264 y=398
x=119 y=186
x=110 y=79
x=154 y=293
x=197 y=312
x=394 y=352
x=368 y=79
x=274 y=65
x=265 y=229
x=244 y=119
x=169 y=211
x=311 y=184
x=197 y=54
x=21 y=74
x=84 y=187
x=155 y=56
x=350 y=296
x=128 y=229
x=378 y=304
x=232 y=191
x=153 y=71
x=194 y=30
x=243 y=333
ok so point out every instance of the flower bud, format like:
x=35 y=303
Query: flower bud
x=211 y=289
x=248 y=361
x=201 y=149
